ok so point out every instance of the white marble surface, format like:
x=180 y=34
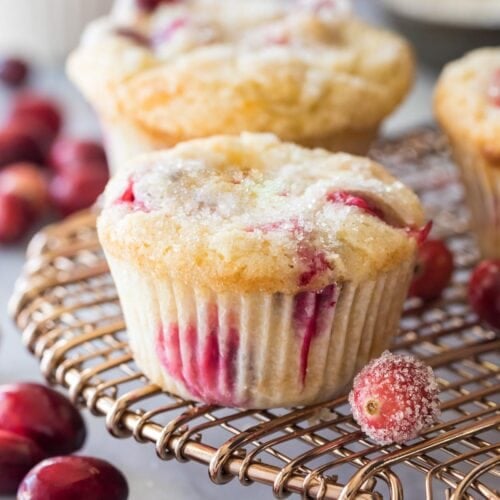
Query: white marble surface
x=149 y=478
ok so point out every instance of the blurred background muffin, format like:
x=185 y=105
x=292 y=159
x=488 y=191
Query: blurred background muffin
x=442 y=30
x=46 y=30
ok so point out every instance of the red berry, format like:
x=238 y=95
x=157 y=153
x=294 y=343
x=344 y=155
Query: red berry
x=484 y=292
x=13 y=71
x=394 y=398
x=67 y=153
x=75 y=478
x=433 y=271
x=36 y=129
x=43 y=415
x=26 y=181
x=15 y=218
x=40 y=108
x=17 y=145
x=494 y=88
x=18 y=455
x=151 y=5
x=74 y=191
x=351 y=200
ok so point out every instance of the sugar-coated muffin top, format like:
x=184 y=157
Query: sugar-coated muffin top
x=195 y=68
x=467 y=101
x=252 y=213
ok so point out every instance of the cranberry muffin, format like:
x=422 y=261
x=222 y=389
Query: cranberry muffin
x=256 y=273
x=467 y=105
x=305 y=70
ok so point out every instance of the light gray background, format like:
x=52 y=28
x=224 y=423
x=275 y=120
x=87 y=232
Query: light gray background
x=149 y=478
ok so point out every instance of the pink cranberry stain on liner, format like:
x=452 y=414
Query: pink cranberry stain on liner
x=309 y=314
x=315 y=262
x=207 y=363
x=494 y=89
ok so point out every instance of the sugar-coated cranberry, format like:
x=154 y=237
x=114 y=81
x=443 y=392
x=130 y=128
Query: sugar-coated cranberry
x=74 y=191
x=74 y=478
x=13 y=71
x=28 y=182
x=394 y=398
x=68 y=153
x=15 y=218
x=43 y=415
x=40 y=108
x=17 y=145
x=18 y=454
x=494 y=88
x=433 y=270
x=484 y=292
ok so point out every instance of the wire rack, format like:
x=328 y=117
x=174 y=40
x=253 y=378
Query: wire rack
x=66 y=305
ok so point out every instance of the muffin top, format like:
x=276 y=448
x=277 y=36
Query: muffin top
x=467 y=101
x=251 y=213
x=184 y=69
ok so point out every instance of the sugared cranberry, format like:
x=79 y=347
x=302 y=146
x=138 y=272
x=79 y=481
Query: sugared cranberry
x=433 y=270
x=71 y=192
x=43 y=415
x=351 y=200
x=67 y=153
x=28 y=182
x=17 y=145
x=38 y=107
x=13 y=71
x=75 y=478
x=15 y=218
x=494 y=88
x=18 y=455
x=394 y=398
x=484 y=292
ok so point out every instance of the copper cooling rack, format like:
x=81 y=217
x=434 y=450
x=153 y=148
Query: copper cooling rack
x=66 y=306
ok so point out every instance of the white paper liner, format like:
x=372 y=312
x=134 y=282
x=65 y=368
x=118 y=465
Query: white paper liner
x=482 y=186
x=250 y=350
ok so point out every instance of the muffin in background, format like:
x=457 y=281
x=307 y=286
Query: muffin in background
x=467 y=105
x=46 y=30
x=256 y=273
x=306 y=70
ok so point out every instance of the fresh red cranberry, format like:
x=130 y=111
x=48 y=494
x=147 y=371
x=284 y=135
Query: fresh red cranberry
x=28 y=182
x=16 y=145
x=394 y=398
x=77 y=190
x=13 y=71
x=433 y=270
x=67 y=153
x=15 y=218
x=40 y=132
x=43 y=415
x=484 y=292
x=74 y=478
x=18 y=455
x=494 y=88
x=40 y=108
x=351 y=200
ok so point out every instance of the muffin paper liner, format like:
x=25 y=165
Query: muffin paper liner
x=482 y=186
x=257 y=350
